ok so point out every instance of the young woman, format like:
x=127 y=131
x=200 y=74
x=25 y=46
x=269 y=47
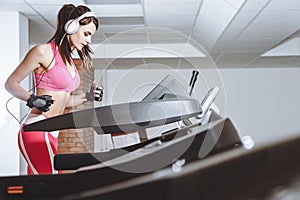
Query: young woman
x=55 y=78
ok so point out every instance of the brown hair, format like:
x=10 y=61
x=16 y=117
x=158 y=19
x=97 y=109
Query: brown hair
x=67 y=12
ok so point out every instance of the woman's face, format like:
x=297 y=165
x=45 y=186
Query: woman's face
x=83 y=36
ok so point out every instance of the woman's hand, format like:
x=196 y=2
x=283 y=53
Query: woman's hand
x=42 y=103
x=95 y=93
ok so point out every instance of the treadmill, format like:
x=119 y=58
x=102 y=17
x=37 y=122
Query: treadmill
x=175 y=148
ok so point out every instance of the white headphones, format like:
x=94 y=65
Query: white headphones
x=73 y=25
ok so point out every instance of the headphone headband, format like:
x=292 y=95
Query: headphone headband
x=72 y=25
x=87 y=14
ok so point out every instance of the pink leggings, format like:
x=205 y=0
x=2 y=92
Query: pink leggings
x=38 y=148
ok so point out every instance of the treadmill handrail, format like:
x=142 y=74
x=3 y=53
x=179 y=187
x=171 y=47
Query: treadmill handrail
x=125 y=117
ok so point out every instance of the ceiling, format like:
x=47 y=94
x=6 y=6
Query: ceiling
x=234 y=33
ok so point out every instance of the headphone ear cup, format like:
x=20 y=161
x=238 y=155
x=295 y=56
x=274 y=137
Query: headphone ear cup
x=71 y=26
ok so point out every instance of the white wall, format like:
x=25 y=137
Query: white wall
x=13 y=40
x=263 y=103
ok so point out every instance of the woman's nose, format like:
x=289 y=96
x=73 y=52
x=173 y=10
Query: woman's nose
x=89 y=40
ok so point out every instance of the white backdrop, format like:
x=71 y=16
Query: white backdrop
x=13 y=45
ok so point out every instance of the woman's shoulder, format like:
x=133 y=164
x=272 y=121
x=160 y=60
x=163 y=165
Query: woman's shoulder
x=41 y=50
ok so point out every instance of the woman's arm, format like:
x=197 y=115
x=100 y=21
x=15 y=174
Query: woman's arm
x=76 y=100
x=33 y=59
x=94 y=94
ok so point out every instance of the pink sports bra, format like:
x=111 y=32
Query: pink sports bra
x=58 y=78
